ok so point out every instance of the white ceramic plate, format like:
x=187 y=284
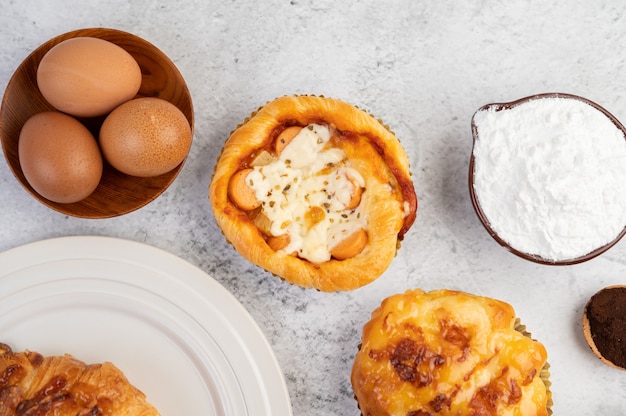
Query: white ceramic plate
x=177 y=334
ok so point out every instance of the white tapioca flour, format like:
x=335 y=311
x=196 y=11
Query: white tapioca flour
x=550 y=176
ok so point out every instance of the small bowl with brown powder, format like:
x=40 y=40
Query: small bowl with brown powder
x=604 y=325
x=547 y=177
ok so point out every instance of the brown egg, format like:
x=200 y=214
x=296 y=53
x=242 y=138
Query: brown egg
x=59 y=157
x=88 y=77
x=145 y=137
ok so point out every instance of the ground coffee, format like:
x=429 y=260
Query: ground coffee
x=606 y=312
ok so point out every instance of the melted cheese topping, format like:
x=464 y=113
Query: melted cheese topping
x=448 y=353
x=304 y=193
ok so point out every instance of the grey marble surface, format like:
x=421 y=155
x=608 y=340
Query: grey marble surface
x=424 y=68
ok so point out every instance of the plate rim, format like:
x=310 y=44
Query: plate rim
x=125 y=251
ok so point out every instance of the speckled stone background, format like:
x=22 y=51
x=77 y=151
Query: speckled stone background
x=424 y=68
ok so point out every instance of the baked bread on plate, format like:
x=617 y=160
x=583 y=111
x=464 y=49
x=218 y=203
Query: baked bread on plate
x=33 y=384
x=449 y=353
x=315 y=191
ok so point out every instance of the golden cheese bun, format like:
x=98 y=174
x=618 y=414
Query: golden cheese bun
x=315 y=191
x=449 y=353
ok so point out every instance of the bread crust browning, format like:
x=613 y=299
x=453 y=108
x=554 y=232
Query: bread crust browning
x=389 y=197
x=35 y=385
x=449 y=353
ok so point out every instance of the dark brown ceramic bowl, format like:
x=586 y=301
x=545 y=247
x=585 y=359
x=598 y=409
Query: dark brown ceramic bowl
x=483 y=218
x=117 y=193
x=590 y=334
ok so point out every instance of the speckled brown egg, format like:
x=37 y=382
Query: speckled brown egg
x=88 y=77
x=59 y=157
x=145 y=137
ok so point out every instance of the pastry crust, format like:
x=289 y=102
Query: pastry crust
x=371 y=148
x=34 y=385
x=449 y=353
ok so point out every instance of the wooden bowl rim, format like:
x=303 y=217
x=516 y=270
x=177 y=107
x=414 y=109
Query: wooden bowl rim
x=587 y=330
x=92 y=206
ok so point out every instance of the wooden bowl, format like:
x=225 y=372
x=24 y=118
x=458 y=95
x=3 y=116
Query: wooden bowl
x=589 y=332
x=117 y=193
x=481 y=214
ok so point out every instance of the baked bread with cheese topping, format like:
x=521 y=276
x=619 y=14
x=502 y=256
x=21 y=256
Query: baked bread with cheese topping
x=449 y=353
x=315 y=191
x=33 y=384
